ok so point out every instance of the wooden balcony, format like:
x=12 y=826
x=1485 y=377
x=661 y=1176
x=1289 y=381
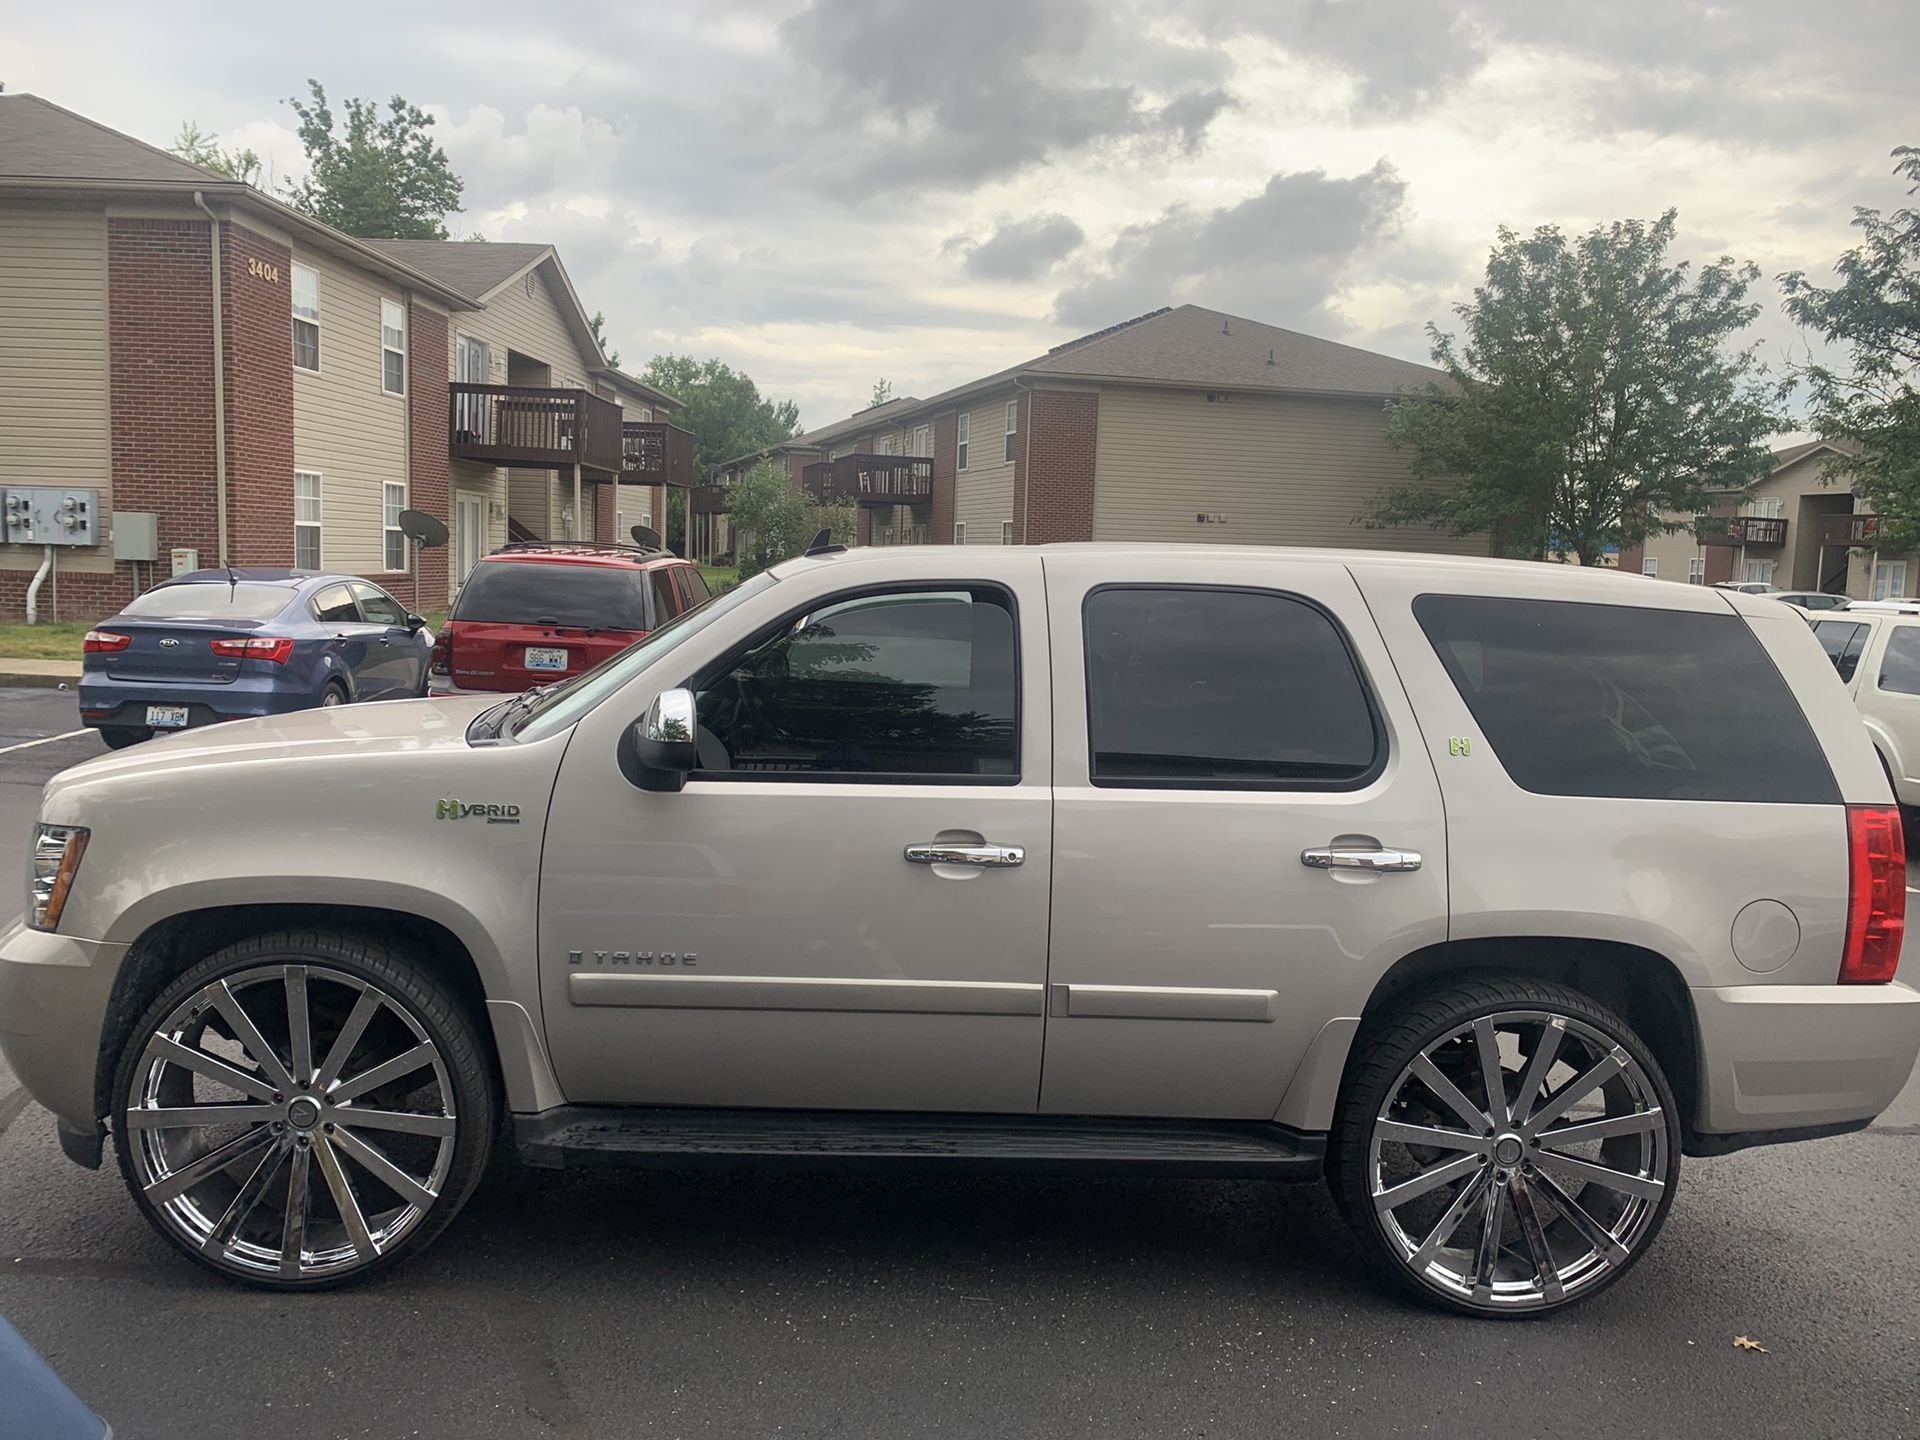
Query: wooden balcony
x=1850 y=530
x=870 y=479
x=1743 y=530
x=655 y=453
x=708 y=500
x=534 y=428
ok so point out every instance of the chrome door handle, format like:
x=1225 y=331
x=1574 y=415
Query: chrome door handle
x=986 y=855
x=1345 y=857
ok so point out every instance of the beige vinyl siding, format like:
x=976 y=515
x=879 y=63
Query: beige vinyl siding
x=54 y=370
x=490 y=485
x=1283 y=470
x=983 y=492
x=344 y=425
x=1673 y=551
x=530 y=501
x=530 y=324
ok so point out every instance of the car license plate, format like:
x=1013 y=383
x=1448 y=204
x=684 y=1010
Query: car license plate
x=167 y=717
x=539 y=658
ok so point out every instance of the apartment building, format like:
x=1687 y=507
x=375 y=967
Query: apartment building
x=1182 y=425
x=1794 y=529
x=271 y=391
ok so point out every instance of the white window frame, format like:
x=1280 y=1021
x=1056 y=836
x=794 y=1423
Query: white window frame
x=963 y=436
x=1013 y=429
x=1650 y=566
x=393 y=308
x=315 y=523
x=1006 y=532
x=1764 y=507
x=390 y=531
x=1697 y=570
x=1890 y=580
x=1760 y=572
x=303 y=315
x=886 y=444
x=923 y=440
x=959 y=532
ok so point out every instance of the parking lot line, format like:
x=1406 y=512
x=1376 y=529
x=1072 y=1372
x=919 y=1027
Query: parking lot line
x=43 y=740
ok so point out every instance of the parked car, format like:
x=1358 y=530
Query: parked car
x=1877 y=654
x=1747 y=587
x=1482 y=890
x=39 y=1406
x=1893 y=605
x=539 y=611
x=233 y=644
x=1811 y=600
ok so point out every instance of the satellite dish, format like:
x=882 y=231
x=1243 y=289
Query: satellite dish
x=646 y=537
x=423 y=529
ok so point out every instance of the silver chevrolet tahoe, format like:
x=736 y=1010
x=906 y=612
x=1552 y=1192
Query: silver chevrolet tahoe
x=1483 y=890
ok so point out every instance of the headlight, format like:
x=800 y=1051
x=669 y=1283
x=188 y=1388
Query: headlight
x=56 y=856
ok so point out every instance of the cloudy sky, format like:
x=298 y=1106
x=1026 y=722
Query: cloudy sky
x=823 y=192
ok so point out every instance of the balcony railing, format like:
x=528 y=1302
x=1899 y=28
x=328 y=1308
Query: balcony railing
x=1742 y=530
x=902 y=535
x=870 y=479
x=708 y=500
x=1850 y=530
x=540 y=429
x=655 y=453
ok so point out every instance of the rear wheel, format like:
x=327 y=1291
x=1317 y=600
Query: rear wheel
x=119 y=737
x=300 y=1110
x=333 y=695
x=1504 y=1147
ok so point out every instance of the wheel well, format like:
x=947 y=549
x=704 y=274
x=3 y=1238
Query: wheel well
x=1641 y=986
x=172 y=946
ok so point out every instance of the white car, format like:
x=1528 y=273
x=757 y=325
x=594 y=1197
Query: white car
x=1876 y=649
x=1815 y=600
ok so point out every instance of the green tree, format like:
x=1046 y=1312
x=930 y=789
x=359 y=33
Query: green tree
x=1874 y=401
x=598 y=325
x=197 y=147
x=383 y=179
x=882 y=392
x=1599 y=396
x=727 y=415
x=772 y=522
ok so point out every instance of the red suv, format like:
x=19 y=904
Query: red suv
x=544 y=610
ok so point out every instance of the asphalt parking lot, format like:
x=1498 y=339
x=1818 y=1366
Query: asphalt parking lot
x=617 y=1304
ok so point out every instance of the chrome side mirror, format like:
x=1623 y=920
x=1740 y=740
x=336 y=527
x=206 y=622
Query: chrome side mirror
x=664 y=743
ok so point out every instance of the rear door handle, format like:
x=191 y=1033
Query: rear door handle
x=1347 y=857
x=991 y=856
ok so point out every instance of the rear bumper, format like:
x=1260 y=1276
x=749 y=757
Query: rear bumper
x=1802 y=1057
x=53 y=999
x=105 y=702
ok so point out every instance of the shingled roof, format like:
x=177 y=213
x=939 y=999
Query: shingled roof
x=42 y=141
x=473 y=267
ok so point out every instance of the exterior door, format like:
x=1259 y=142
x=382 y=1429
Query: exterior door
x=812 y=922
x=473 y=365
x=359 y=643
x=469 y=535
x=1247 y=830
x=395 y=662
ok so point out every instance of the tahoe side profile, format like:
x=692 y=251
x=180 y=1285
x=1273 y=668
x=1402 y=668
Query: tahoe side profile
x=1483 y=890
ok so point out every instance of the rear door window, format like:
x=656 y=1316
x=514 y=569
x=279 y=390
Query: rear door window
x=335 y=606
x=539 y=592
x=1216 y=688
x=1900 y=666
x=1842 y=640
x=1627 y=702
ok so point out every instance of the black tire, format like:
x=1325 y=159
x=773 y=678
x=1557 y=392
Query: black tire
x=430 y=1007
x=336 y=693
x=119 y=737
x=1384 y=1049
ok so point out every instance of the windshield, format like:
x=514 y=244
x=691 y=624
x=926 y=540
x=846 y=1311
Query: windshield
x=597 y=597
x=213 y=600
x=561 y=706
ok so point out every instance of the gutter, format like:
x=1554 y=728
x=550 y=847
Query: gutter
x=219 y=385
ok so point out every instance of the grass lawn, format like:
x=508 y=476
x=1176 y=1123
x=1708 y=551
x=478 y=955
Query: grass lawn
x=41 y=642
x=719 y=576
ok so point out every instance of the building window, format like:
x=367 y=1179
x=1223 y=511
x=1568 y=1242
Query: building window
x=1759 y=572
x=965 y=435
x=395 y=500
x=1890 y=580
x=393 y=348
x=1762 y=508
x=960 y=533
x=1013 y=426
x=886 y=444
x=306 y=318
x=923 y=440
x=306 y=519
x=1697 y=570
x=1650 y=567
x=1006 y=532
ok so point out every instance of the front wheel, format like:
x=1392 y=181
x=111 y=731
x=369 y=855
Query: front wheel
x=299 y=1110
x=1504 y=1147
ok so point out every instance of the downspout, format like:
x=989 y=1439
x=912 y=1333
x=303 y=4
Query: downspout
x=219 y=386
x=1026 y=461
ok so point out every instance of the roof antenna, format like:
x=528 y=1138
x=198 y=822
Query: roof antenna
x=822 y=544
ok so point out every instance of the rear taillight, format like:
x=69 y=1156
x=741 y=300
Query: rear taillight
x=258 y=648
x=442 y=661
x=104 y=642
x=1876 y=895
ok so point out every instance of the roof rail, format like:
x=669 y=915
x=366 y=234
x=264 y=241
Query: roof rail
x=581 y=547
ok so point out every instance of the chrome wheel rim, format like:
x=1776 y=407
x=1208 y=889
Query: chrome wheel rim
x=291 y=1122
x=1519 y=1160
x=332 y=697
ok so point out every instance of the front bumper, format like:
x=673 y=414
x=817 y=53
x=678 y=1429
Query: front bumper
x=1802 y=1057
x=54 y=991
x=108 y=703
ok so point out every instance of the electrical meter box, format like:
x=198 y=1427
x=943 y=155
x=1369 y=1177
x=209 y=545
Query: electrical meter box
x=43 y=515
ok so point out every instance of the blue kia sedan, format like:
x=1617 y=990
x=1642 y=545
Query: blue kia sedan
x=232 y=644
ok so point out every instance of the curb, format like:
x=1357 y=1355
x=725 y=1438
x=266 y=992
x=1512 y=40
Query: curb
x=38 y=682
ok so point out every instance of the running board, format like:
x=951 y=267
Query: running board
x=576 y=1134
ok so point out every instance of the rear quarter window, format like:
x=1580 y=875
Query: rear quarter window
x=1900 y=666
x=1626 y=702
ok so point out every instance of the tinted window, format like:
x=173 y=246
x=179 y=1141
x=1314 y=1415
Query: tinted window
x=1223 y=687
x=895 y=684
x=666 y=600
x=1842 y=640
x=1621 y=701
x=212 y=601
x=1900 y=666
x=695 y=584
x=509 y=592
x=334 y=605
x=379 y=607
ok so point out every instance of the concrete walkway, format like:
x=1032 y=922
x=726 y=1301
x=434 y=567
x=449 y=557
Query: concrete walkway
x=47 y=673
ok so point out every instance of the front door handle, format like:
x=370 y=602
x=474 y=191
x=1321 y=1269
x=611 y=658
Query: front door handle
x=993 y=856
x=1350 y=857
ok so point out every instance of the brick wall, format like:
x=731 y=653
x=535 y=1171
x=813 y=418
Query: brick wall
x=1020 y=467
x=258 y=320
x=429 y=478
x=1057 y=483
x=946 y=455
